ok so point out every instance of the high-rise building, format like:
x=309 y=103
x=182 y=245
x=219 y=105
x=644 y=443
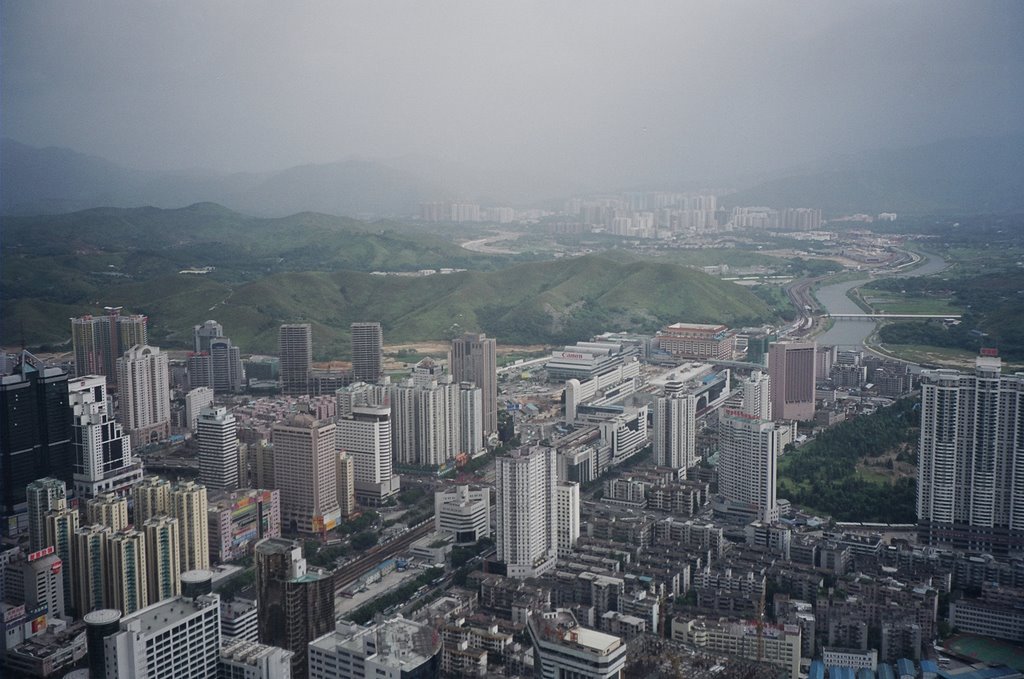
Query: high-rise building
x=150 y=497
x=43 y=495
x=218 y=449
x=367 y=352
x=364 y=434
x=747 y=466
x=144 y=394
x=675 y=429
x=203 y=334
x=127 y=588
x=564 y=648
x=177 y=637
x=526 y=510
x=305 y=471
x=970 y=470
x=163 y=565
x=61 y=525
x=108 y=509
x=346 y=477
x=791 y=367
x=251 y=660
x=89 y=566
x=102 y=451
x=195 y=400
x=35 y=580
x=296 y=603
x=463 y=511
x=35 y=434
x=426 y=417
x=471 y=421
x=393 y=647
x=755 y=392
x=100 y=340
x=189 y=507
x=567 y=503
x=226 y=365
x=473 y=358
x=236 y=521
x=295 y=350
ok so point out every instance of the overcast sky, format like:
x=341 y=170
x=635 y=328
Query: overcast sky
x=595 y=91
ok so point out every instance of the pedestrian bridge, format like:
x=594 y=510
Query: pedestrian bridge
x=877 y=317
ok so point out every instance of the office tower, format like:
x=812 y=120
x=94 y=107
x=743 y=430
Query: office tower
x=346 y=478
x=675 y=429
x=189 y=506
x=203 y=334
x=107 y=509
x=237 y=521
x=295 y=350
x=563 y=648
x=177 y=637
x=526 y=512
x=473 y=358
x=35 y=432
x=471 y=421
x=218 y=449
x=747 y=466
x=228 y=373
x=463 y=511
x=127 y=588
x=305 y=471
x=970 y=470
x=195 y=401
x=150 y=497
x=163 y=564
x=144 y=394
x=393 y=647
x=791 y=367
x=367 y=352
x=43 y=495
x=567 y=504
x=100 y=340
x=89 y=566
x=296 y=604
x=102 y=451
x=251 y=660
x=61 y=525
x=365 y=435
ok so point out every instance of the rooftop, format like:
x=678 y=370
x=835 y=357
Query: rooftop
x=167 y=613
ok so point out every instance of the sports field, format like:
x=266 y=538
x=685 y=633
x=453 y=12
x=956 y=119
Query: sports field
x=985 y=649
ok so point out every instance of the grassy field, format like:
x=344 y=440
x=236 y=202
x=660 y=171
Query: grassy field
x=943 y=356
x=887 y=303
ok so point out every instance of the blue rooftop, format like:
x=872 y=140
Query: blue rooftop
x=817 y=670
x=885 y=671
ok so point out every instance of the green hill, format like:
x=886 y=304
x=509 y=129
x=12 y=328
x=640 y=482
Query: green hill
x=316 y=268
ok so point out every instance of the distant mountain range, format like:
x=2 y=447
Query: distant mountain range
x=962 y=176
x=980 y=175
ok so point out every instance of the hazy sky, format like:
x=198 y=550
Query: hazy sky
x=599 y=91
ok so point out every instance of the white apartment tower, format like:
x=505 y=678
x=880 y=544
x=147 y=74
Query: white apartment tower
x=218 y=449
x=747 y=465
x=526 y=510
x=970 y=472
x=567 y=501
x=471 y=422
x=103 y=456
x=675 y=429
x=144 y=393
x=195 y=400
x=305 y=471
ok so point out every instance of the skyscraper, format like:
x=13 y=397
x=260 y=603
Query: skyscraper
x=100 y=340
x=426 y=418
x=567 y=501
x=675 y=428
x=970 y=471
x=305 y=471
x=61 y=525
x=150 y=497
x=108 y=509
x=89 y=565
x=218 y=449
x=163 y=564
x=127 y=588
x=365 y=433
x=367 y=352
x=228 y=373
x=346 y=478
x=189 y=506
x=102 y=451
x=203 y=334
x=295 y=351
x=471 y=421
x=43 y=495
x=145 y=395
x=791 y=367
x=473 y=358
x=296 y=604
x=526 y=510
x=35 y=432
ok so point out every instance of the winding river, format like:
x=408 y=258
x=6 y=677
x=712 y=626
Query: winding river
x=833 y=298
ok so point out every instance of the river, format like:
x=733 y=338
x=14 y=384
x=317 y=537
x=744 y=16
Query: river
x=833 y=298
